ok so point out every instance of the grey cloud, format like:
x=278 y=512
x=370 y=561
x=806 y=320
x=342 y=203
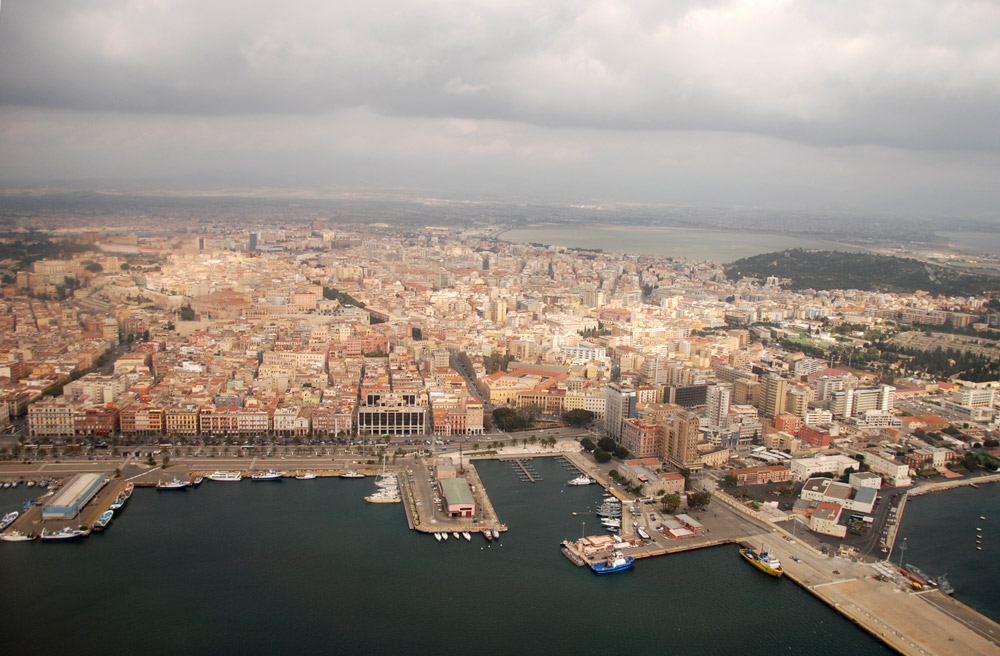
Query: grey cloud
x=919 y=75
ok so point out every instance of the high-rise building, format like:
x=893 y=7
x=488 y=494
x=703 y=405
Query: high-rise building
x=620 y=405
x=498 y=310
x=772 y=398
x=717 y=400
x=680 y=440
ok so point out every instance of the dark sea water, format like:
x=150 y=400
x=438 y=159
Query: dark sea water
x=940 y=532
x=309 y=567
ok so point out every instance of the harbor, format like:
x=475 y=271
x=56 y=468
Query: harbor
x=855 y=590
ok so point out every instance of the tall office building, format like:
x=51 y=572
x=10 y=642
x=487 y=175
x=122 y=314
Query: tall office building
x=717 y=400
x=498 y=310
x=680 y=440
x=620 y=405
x=772 y=398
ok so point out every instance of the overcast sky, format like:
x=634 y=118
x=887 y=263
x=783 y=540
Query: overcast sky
x=849 y=105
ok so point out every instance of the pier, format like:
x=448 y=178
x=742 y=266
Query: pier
x=524 y=474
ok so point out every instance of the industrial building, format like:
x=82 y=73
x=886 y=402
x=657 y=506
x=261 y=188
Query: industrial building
x=74 y=495
x=457 y=495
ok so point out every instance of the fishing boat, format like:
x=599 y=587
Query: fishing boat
x=103 y=521
x=176 y=484
x=467 y=536
x=68 y=533
x=306 y=476
x=226 y=476
x=616 y=562
x=129 y=488
x=17 y=536
x=269 y=475
x=8 y=519
x=197 y=481
x=581 y=480
x=383 y=496
x=119 y=502
x=352 y=474
x=762 y=560
x=488 y=536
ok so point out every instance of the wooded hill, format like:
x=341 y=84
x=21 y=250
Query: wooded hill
x=865 y=271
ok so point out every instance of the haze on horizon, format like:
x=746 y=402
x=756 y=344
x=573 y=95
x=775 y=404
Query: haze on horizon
x=856 y=106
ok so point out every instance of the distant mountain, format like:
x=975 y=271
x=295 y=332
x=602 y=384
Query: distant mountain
x=866 y=271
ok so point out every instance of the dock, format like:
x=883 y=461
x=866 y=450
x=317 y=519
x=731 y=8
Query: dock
x=524 y=473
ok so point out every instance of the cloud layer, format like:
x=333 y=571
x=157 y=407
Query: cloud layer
x=921 y=76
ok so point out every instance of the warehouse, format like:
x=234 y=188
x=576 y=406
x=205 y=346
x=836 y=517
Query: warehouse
x=74 y=495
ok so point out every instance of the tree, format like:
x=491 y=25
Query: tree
x=94 y=267
x=602 y=456
x=730 y=480
x=588 y=444
x=670 y=503
x=621 y=452
x=578 y=417
x=187 y=314
x=699 y=499
x=606 y=444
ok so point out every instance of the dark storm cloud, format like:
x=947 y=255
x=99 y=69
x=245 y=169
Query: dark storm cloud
x=901 y=74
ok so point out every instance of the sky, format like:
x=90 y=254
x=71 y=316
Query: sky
x=854 y=105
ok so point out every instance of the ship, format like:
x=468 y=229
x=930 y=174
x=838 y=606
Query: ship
x=225 y=476
x=17 y=536
x=176 y=484
x=127 y=491
x=269 y=475
x=8 y=519
x=762 y=560
x=352 y=474
x=103 y=521
x=67 y=533
x=580 y=480
x=616 y=562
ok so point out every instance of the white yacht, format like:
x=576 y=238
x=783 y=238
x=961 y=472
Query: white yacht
x=17 y=536
x=225 y=476
x=467 y=536
x=269 y=475
x=581 y=480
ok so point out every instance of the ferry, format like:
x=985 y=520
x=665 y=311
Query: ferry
x=269 y=475
x=8 y=519
x=67 y=533
x=616 y=562
x=581 y=480
x=764 y=561
x=176 y=484
x=307 y=476
x=17 y=536
x=225 y=476
x=103 y=521
x=352 y=474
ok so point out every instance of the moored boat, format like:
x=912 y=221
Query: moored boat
x=383 y=496
x=305 y=476
x=455 y=535
x=129 y=488
x=581 y=480
x=496 y=534
x=488 y=536
x=467 y=536
x=269 y=475
x=8 y=519
x=352 y=474
x=762 y=560
x=437 y=536
x=616 y=562
x=103 y=521
x=175 y=484
x=227 y=476
x=17 y=536
x=68 y=533
x=197 y=481
x=444 y=536
x=119 y=502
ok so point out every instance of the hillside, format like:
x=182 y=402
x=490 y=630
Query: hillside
x=865 y=271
